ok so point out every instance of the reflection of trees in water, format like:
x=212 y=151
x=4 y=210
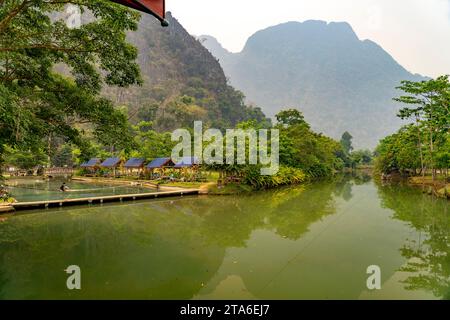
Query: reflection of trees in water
x=344 y=183
x=158 y=249
x=124 y=251
x=428 y=258
x=344 y=189
x=292 y=217
x=361 y=177
x=230 y=221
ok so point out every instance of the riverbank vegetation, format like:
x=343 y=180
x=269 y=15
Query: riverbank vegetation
x=422 y=147
x=304 y=155
x=5 y=197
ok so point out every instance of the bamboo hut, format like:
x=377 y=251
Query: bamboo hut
x=114 y=164
x=92 y=165
x=188 y=167
x=187 y=163
x=160 y=165
x=134 y=165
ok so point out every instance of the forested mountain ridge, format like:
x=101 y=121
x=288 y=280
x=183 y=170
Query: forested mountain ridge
x=338 y=81
x=182 y=81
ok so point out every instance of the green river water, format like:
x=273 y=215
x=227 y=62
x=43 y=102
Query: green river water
x=30 y=189
x=310 y=242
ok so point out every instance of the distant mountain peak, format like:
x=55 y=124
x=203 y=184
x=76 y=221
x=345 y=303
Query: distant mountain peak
x=214 y=46
x=340 y=83
x=212 y=40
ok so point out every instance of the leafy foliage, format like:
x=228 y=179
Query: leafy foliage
x=302 y=148
x=423 y=144
x=290 y=117
x=303 y=155
x=362 y=157
x=151 y=144
x=25 y=159
x=285 y=176
x=36 y=104
x=346 y=142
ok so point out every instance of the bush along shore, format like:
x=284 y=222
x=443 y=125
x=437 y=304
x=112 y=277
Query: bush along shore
x=420 y=151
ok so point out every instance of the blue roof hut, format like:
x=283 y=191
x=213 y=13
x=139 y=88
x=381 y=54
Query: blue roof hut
x=160 y=163
x=112 y=163
x=159 y=166
x=92 y=163
x=187 y=162
x=134 y=165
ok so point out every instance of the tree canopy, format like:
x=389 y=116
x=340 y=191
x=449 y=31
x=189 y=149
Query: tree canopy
x=346 y=142
x=425 y=143
x=290 y=117
x=36 y=103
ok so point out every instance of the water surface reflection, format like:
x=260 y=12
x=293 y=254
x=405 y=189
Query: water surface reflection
x=309 y=242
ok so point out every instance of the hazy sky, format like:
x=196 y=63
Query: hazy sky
x=415 y=32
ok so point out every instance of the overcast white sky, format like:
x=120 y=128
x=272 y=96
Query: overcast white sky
x=415 y=32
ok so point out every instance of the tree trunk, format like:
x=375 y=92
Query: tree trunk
x=2 y=161
x=49 y=146
x=431 y=145
x=420 y=149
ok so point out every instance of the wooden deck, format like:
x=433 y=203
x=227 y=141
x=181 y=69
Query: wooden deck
x=102 y=199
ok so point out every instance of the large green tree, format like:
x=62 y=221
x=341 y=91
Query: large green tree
x=290 y=117
x=428 y=103
x=36 y=103
x=302 y=148
x=346 y=142
x=399 y=152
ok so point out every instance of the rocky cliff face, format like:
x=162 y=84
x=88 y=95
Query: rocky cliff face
x=175 y=64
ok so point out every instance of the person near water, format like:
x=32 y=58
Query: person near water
x=63 y=187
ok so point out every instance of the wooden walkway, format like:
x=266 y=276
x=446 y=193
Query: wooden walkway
x=59 y=171
x=116 y=198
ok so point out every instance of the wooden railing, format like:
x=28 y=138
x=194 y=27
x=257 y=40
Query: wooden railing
x=59 y=171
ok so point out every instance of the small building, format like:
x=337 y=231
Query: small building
x=160 y=165
x=113 y=164
x=134 y=165
x=91 y=164
x=11 y=170
x=188 y=168
x=187 y=163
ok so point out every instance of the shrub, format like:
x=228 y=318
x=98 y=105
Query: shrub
x=5 y=197
x=285 y=176
x=82 y=172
